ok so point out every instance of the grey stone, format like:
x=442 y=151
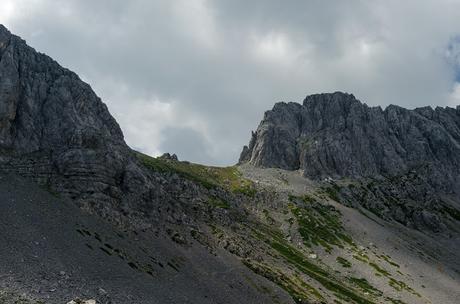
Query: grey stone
x=54 y=129
x=335 y=135
x=412 y=157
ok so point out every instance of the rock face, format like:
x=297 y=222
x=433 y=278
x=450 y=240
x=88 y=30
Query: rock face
x=54 y=129
x=403 y=163
x=335 y=135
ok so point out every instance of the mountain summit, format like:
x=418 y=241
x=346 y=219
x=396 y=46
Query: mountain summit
x=412 y=157
x=54 y=129
x=335 y=135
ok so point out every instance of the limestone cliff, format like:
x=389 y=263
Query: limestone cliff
x=338 y=136
x=412 y=157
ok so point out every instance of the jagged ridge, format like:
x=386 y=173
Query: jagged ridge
x=338 y=136
x=410 y=159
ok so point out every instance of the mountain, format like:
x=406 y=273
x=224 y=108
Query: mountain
x=55 y=130
x=409 y=158
x=301 y=219
x=335 y=135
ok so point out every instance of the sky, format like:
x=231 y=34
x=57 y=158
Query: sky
x=194 y=77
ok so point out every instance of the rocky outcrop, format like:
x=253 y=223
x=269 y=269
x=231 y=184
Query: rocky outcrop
x=410 y=158
x=335 y=135
x=54 y=129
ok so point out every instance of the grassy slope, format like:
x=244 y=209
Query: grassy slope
x=209 y=177
x=318 y=225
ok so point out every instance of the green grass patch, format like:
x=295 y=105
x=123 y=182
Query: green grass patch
x=344 y=262
x=400 y=285
x=300 y=291
x=209 y=177
x=319 y=224
x=333 y=192
x=305 y=198
x=218 y=202
x=379 y=269
x=365 y=286
x=297 y=259
x=389 y=260
x=394 y=301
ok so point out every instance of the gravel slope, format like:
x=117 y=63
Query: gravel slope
x=428 y=263
x=54 y=252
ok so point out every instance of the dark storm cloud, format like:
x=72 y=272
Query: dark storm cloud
x=213 y=67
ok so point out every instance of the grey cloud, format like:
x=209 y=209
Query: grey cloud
x=186 y=143
x=213 y=67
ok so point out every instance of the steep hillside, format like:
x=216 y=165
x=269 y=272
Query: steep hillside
x=53 y=252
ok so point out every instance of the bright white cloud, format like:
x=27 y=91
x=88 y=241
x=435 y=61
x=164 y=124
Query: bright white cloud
x=274 y=47
x=7 y=10
x=454 y=97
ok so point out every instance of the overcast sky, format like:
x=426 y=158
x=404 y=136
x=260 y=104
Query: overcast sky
x=194 y=77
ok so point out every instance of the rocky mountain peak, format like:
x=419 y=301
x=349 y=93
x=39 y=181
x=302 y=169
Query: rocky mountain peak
x=330 y=98
x=54 y=128
x=45 y=105
x=336 y=135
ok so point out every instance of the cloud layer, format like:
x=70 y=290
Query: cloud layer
x=194 y=77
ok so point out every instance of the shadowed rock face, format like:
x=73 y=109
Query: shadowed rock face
x=53 y=127
x=46 y=106
x=336 y=135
